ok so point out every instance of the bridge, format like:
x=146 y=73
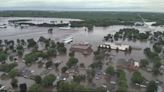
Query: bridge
x=146 y=24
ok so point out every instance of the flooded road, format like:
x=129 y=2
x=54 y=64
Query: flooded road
x=94 y=37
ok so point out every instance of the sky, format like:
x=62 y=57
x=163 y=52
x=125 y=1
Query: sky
x=84 y=5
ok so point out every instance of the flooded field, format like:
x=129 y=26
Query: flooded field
x=94 y=37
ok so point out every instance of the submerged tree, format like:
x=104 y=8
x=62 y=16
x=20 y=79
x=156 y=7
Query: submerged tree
x=35 y=88
x=152 y=87
x=72 y=62
x=137 y=78
x=3 y=56
x=14 y=83
x=38 y=79
x=48 y=80
x=110 y=70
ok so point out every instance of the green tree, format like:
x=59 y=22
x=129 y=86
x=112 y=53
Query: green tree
x=110 y=70
x=72 y=54
x=156 y=71
x=79 y=78
x=23 y=42
x=20 y=47
x=48 y=64
x=18 y=41
x=51 y=52
x=75 y=87
x=96 y=65
x=64 y=69
x=152 y=87
x=11 y=58
x=157 y=64
x=7 y=67
x=13 y=73
x=3 y=56
x=122 y=81
x=53 y=44
x=20 y=52
x=14 y=83
x=144 y=62
x=72 y=61
x=157 y=48
x=33 y=56
x=38 y=79
x=61 y=48
x=156 y=67
x=35 y=88
x=137 y=78
x=99 y=55
x=90 y=75
x=48 y=80
x=31 y=43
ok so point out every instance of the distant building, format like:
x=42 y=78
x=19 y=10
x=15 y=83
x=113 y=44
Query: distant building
x=83 y=48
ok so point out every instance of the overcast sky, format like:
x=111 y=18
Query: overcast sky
x=111 y=5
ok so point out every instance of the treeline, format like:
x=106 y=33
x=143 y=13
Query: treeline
x=101 y=22
x=158 y=23
x=91 y=18
x=124 y=16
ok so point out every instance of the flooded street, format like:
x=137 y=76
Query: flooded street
x=94 y=37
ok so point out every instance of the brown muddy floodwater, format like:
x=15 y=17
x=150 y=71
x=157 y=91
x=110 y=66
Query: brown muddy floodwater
x=79 y=35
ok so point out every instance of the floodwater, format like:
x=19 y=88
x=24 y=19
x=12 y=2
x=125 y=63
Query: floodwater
x=79 y=35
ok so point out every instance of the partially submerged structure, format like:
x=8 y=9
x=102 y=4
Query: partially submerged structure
x=26 y=73
x=131 y=65
x=68 y=40
x=114 y=46
x=3 y=26
x=83 y=48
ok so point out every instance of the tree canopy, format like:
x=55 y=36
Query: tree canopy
x=3 y=56
x=110 y=70
x=35 y=88
x=75 y=87
x=48 y=80
x=72 y=61
x=152 y=87
x=137 y=78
